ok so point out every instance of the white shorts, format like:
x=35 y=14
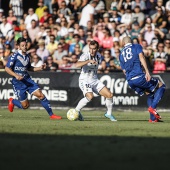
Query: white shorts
x=95 y=86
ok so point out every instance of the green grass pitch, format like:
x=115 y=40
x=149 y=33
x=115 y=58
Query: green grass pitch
x=30 y=140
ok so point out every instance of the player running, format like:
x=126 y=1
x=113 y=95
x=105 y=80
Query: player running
x=89 y=82
x=17 y=66
x=132 y=63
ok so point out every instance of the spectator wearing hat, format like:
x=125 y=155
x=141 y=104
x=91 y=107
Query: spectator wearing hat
x=138 y=16
x=71 y=21
x=86 y=47
x=1 y=14
x=114 y=4
x=17 y=33
x=42 y=52
x=31 y=16
x=106 y=21
x=5 y=26
x=11 y=17
x=135 y=30
x=40 y=10
x=69 y=39
x=115 y=16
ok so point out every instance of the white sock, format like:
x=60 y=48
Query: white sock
x=109 y=106
x=83 y=102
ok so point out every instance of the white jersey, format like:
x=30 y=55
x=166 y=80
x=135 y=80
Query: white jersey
x=89 y=71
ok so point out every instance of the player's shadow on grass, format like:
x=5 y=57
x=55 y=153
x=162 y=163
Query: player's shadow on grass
x=23 y=151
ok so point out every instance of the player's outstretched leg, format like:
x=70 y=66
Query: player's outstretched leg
x=13 y=102
x=108 y=114
x=157 y=97
x=46 y=104
x=149 y=102
x=82 y=103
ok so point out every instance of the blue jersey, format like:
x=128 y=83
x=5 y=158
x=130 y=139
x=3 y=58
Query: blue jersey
x=129 y=60
x=19 y=64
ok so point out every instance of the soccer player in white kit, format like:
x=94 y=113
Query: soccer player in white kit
x=89 y=82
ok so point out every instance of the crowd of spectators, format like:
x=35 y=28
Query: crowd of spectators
x=59 y=31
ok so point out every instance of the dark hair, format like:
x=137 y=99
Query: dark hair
x=76 y=35
x=21 y=39
x=94 y=42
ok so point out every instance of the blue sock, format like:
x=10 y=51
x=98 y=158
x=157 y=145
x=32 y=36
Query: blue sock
x=157 y=96
x=46 y=104
x=149 y=102
x=17 y=103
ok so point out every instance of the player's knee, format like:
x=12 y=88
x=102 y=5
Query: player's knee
x=25 y=106
x=109 y=95
x=40 y=96
x=89 y=97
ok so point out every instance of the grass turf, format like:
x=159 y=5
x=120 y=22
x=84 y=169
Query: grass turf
x=30 y=140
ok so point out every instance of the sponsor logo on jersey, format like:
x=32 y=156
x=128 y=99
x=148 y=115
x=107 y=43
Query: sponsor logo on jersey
x=20 y=68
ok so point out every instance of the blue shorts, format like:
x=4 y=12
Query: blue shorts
x=140 y=85
x=21 y=88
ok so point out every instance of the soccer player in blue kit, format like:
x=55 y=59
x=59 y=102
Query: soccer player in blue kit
x=17 y=66
x=134 y=66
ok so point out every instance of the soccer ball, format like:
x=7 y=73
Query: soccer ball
x=72 y=114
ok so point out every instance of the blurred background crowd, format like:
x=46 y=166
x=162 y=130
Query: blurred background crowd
x=59 y=31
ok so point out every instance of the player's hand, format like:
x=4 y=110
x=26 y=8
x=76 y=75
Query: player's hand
x=43 y=66
x=18 y=77
x=92 y=62
x=148 y=77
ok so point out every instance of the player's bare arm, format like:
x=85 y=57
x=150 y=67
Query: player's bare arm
x=82 y=63
x=42 y=67
x=10 y=72
x=143 y=62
